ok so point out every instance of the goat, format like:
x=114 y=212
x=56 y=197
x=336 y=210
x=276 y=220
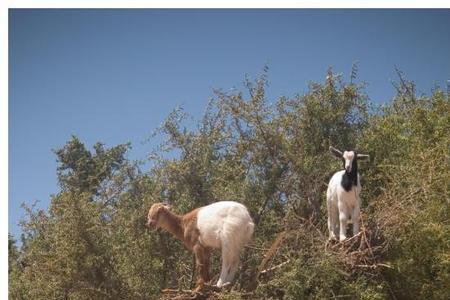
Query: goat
x=224 y=224
x=343 y=202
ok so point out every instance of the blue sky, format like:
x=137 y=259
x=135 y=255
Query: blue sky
x=114 y=75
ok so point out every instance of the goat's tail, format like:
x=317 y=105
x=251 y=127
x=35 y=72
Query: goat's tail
x=250 y=229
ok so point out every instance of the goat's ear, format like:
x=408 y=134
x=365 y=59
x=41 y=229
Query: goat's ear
x=336 y=152
x=363 y=156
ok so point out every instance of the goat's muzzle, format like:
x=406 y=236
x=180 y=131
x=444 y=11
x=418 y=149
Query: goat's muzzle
x=151 y=223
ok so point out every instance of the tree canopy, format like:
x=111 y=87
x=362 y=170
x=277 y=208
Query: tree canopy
x=272 y=156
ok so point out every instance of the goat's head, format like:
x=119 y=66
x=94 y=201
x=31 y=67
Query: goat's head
x=349 y=158
x=154 y=214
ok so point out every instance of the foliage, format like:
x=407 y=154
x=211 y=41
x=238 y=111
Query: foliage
x=92 y=242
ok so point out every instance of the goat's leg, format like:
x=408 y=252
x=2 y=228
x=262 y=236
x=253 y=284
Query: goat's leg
x=228 y=258
x=343 y=217
x=332 y=220
x=223 y=272
x=355 y=219
x=234 y=265
x=336 y=224
x=202 y=262
x=207 y=255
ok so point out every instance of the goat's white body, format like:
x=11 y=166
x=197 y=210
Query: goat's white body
x=226 y=225
x=342 y=206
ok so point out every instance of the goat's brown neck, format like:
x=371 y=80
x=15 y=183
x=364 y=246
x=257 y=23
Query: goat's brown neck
x=172 y=223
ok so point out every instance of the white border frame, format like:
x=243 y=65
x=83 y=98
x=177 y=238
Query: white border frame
x=6 y=5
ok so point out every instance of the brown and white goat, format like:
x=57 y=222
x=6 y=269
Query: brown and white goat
x=226 y=225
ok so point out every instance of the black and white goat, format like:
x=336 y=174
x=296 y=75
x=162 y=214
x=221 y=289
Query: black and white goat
x=343 y=202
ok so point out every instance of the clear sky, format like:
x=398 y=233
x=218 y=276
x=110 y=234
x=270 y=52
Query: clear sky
x=114 y=75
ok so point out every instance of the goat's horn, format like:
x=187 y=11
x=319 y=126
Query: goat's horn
x=335 y=151
x=363 y=156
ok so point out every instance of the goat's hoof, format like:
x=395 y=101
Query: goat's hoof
x=200 y=286
x=224 y=285
x=331 y=242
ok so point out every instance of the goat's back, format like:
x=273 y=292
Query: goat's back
x=224 y=222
